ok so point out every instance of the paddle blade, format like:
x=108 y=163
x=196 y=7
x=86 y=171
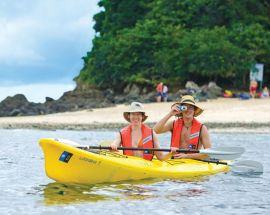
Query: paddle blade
x=247 y=167
x=224 y=153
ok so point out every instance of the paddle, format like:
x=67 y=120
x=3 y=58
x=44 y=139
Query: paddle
x=223 y=153
x=247 y=166
x=241 y=167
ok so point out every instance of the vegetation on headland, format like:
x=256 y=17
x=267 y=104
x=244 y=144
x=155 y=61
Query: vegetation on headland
x=145 y=41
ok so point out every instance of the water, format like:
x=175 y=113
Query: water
x=25 y=189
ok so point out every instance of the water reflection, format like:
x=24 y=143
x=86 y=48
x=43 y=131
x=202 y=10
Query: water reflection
x=58 y=193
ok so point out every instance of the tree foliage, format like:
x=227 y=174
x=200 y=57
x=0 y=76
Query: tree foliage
x=145 y=41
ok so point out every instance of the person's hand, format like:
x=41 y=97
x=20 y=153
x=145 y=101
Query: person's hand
x=181 y=156
x=174 y=110
x=173 y=150
x=113 y=147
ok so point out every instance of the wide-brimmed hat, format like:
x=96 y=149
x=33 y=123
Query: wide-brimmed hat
x=187 y=99
x=135 y=107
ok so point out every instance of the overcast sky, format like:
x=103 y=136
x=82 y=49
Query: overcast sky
x=41 y=45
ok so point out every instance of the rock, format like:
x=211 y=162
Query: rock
x=49 y=99
x=79 y=100
x=213 y=90
x=134 y=91
x=70 y=101
x=190 y=85
x=88 y=98
x=15 y=112
x=18 y=99
x=109 y=94
x=144 y=90
x=12 y=105
x=18 y=105
x=126 y=89
x=149 y=97
x=210 y=91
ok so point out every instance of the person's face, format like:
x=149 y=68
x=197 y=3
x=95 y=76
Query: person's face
x=190 y=111
x=136 y=118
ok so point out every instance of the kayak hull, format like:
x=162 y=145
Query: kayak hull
x=68 y=164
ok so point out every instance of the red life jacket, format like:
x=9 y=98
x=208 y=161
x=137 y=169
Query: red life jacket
x=147 y=140
x=194 y=134
x=159 y=88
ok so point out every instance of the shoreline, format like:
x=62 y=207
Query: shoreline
x=212 y=127
x=220 y=115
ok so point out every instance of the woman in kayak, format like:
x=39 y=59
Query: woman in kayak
x=187 y=131
x=138 y=135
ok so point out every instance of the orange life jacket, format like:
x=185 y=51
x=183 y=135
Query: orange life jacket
x=159 y=87
x=147 y=140
x=194 y=134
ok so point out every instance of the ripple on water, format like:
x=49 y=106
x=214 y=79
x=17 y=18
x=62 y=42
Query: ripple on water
x=25 y=188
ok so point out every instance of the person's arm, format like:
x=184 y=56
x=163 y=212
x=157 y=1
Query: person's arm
x=163 y=125
x=205 y=139
x=116 y=143
x=205 y=142
x=160 y=155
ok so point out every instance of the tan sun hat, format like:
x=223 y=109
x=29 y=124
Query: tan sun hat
x=135 y=107
x=187 y=99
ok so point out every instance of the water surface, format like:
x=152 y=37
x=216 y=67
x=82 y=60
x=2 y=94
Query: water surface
x=25 y=188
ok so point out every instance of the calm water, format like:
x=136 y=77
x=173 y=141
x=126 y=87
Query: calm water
x=25 y=189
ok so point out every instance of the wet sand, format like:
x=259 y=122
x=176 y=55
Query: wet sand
x=226 y=115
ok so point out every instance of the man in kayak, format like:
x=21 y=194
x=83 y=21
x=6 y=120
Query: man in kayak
x=187 y=131
x=138 y=135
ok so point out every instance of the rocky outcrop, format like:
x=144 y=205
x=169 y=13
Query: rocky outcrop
x=213 y=91
x=75 y=100
x=88 y=98
x=201 y=93
x=18 y=105
x=78 y=100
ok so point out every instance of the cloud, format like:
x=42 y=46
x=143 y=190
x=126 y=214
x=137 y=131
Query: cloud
x=17 y=44
x=44 y=38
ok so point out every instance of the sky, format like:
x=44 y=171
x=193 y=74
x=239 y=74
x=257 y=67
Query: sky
x=41 y=45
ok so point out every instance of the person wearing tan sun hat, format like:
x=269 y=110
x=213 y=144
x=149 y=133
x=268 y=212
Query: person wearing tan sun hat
x=138 y=135
x=187 y=131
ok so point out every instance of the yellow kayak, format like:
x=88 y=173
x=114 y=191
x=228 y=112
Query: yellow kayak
x=68 y=164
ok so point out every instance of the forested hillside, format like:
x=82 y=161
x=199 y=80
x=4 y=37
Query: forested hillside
x=145 y=41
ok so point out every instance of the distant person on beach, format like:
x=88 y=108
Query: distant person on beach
x=265 y=92
x=138 y=135
x=187 y=131
x=165 y=93
x=159 y=90
x=253 y=88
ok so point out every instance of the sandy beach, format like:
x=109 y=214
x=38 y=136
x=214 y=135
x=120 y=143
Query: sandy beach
x=231 y=115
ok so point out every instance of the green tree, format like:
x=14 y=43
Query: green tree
x=145 y=41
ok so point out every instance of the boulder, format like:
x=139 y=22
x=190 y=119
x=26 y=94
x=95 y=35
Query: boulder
x=18 y=105
x=49 y=99
x=213 y=91
x=192 y=86
x=132 y=90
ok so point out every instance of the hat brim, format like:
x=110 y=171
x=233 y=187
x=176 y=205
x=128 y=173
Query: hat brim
x=126 y=115
x=198 y=110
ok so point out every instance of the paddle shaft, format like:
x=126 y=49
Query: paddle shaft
x=142 y=149
x=222 y=153
x=213 y=161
